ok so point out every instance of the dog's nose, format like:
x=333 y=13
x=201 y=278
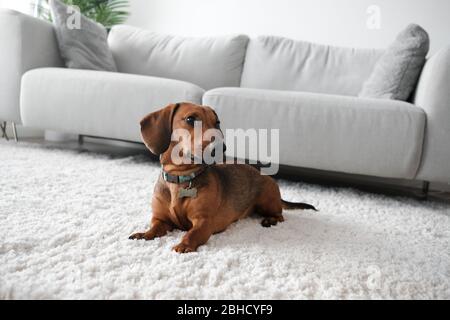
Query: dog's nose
x=213 y=152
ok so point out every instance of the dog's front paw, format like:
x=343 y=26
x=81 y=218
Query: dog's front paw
x=183 y=248
x=137 y=236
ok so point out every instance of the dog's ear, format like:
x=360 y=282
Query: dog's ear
x=156 y=128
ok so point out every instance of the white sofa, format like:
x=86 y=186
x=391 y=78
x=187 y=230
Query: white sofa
x=307 y=91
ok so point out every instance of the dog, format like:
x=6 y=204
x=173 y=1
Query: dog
x=203 y=199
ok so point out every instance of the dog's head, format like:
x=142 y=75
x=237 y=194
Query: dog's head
x=157 y=128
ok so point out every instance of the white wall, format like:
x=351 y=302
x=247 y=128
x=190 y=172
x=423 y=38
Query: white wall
x=338 y=22
x=24 y=6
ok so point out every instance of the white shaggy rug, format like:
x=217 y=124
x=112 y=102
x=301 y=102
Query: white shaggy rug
x=65 y=218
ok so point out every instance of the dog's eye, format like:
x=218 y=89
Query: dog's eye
x=218 y=124
x=190 y=121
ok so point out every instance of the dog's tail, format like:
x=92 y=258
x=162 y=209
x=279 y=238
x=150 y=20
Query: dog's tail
x=296 y=205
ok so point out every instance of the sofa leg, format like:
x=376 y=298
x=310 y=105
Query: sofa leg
x=425 y=189
x=16 y=139
x=3 y=129
x=80 y=140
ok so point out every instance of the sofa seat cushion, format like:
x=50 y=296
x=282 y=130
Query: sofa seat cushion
x=329 y=132
x=103 y=104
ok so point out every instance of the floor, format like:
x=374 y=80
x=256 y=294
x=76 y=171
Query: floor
x=66 y=215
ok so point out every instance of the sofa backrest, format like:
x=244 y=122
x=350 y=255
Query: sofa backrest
x=284 y=64
x=207 y=62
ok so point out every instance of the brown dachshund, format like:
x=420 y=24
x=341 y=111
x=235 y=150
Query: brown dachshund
x=203 y=199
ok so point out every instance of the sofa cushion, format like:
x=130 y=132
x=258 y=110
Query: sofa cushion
x=85 y=47
x=111 y=104
x=336 y=133
x=207 y=62
x=396 y=73
x=284 y=64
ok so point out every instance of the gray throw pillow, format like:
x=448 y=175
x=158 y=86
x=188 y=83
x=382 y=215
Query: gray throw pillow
x=82 y=46
x=396 y=73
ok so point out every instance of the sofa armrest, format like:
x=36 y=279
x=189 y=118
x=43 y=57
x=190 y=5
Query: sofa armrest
x=26 y=43
x=433 y=95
